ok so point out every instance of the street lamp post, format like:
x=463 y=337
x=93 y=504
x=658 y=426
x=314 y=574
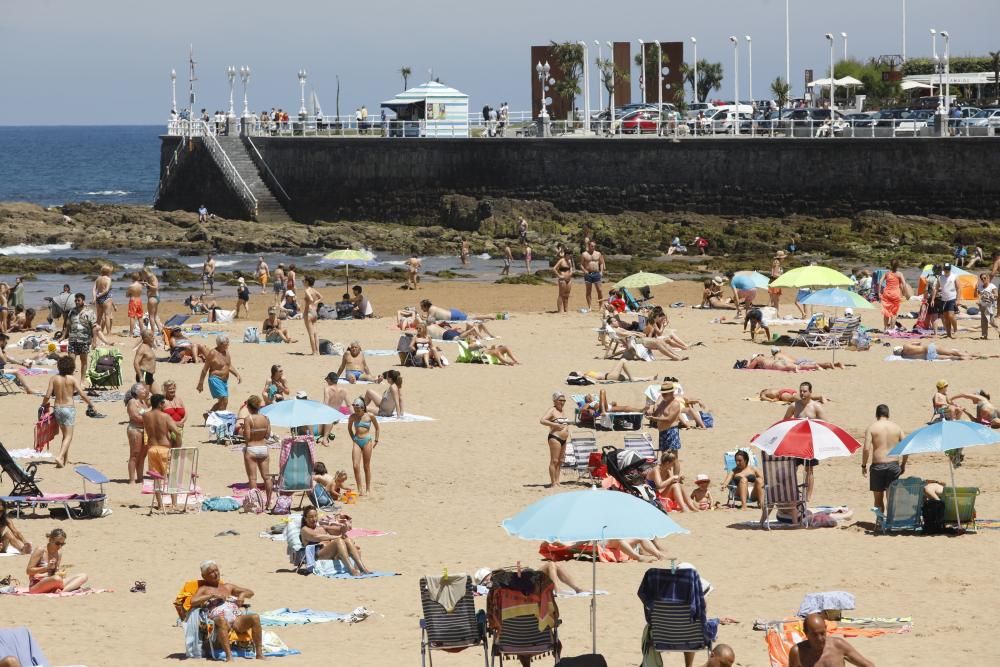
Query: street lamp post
x=829 y=37
x=844 y=37
x=173 y=92
x=694 y=42
x=659 y=78
x=611 y=95
x=231 y=75
x=543 y=80
x=749 y=68
x=937 y=66
x=245 y=79
x=642 y=73
x=947 y=69
x=904 y=31
x=736 y=77
x=303 y=75
x=586 y=88
x=788 y=66
x=600 y=83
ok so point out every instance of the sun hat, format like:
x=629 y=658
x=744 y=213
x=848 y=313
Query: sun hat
x=718 y=280
x=941 y=384
x=898 y=350
x=848 y=311
x=667 y=388
x=242 y=281
x=358 y=403
x=702 y=477
x=780 y=254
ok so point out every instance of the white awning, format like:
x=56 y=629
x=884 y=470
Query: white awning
x=910 y=85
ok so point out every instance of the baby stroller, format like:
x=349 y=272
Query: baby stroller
x=629 y=469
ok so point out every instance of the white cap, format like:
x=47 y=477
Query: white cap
x=301 y=394
x=702 y=477
x=848 y=311
x=481 y=574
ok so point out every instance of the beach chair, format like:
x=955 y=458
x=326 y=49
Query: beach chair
x=966 y=506
x=513 y=616
x=105 y=368
x=8 y=383
x=633 y=304
x=782 y=489
x=301 y=557
x=181 y=478
x=641 y=444
x=583 y=444
x=469 y=356
x=23 y=479
x=199 y=630
x=904 y=504
x=27 y=494
x=452 y=631
x=729 y=464
x=221 y=426
x=840 y=334
x=296 y=466
x=674 y=606
x=805 y=336
x=404 y=350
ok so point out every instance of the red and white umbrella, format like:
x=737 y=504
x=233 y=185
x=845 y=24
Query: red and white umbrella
x=806 y=439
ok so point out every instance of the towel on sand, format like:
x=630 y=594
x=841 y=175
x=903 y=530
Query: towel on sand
x=406 y=418
x=286 y=616
x=893 y=357
x=30 y=454
x=335 y=569
x=78 y=592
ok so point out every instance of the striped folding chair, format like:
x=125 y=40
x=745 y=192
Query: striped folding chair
x=782 y=489
x=641 y=444
x=455 y=630
x=296 y=466
x=519 y=636
x=673 y=626
x=584 y=444
x=181 y=478
x=514 y=622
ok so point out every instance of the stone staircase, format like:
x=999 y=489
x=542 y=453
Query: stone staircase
x=269 y=209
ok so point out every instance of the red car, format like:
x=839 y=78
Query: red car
x=642 y=121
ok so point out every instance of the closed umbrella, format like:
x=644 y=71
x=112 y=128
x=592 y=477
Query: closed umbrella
x=944 y=436
x=300 y=412
x=812 y=276
x=348 y=258
x=806 y=439
x=592 y=516
x=642 y=279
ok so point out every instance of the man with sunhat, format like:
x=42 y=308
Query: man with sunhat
x=666 y=414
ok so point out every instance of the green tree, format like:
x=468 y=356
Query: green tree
x=608 y=74
x=780 y=90
x=879 y=93
x=709 y=78
x=405 y=72
x=568 y=59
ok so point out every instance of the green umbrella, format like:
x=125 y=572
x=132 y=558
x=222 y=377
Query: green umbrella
x=348 y=258
x=642 y=279
x=812 y=276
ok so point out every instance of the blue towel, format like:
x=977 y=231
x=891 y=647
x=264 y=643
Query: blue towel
x=19 y=642
x=286 y=616
x=336 y=569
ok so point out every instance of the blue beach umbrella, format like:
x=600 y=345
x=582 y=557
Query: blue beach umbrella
x=834 y=297
x=592 y=516
x=750 y=280
x=300 y=412
x=944 y=436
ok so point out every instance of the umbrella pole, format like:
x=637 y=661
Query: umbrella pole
x=348 y=267
x=593 y=599
x=954 y=494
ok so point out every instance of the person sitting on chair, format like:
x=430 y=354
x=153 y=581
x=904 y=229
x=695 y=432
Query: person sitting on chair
x=744 y=475
x=225 y=606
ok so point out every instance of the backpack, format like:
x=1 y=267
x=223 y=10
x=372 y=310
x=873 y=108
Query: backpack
x=283 y=505
x=251 y=335
x=106 y=362
x=933 y=515
x=254 y=501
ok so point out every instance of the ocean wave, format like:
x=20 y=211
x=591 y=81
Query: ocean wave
x=109 y=193
x=218 y=263
x=25 y=249
x=485 y=255
x=394 y=262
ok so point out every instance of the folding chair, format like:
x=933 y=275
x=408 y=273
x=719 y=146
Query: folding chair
x=729 y=464
x=674 y=606
x=296 y=466
x=583 y=444
x=199 y=630
x=904 y=505
x=519 y=635
x=641 y=444
x=782 y=489
x=181 y=478
x=452 y=631
x=24 y=480
x=404 y=350
x=805 y=336
x=8 y=383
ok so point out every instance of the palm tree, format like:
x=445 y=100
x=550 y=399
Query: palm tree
x=709 y=78
x=780 y=88
x=405 y=72
x=995 y=58
x=609 y=72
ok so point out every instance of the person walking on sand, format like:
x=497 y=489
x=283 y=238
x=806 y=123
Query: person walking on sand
x=278 y=285
x=311 y=300
x=61 y=390
x=208 y=275
x=242 y=298
x=592 y=263
x=218 y=367
x=893 y=291
x=563 y=271
x=774 y=293
x=949 y=300
x=557 y=438
x=464 y=253
x=413 y=266
x=987 y=292
x=102 y=298
x=359 y=426
x=880 y=437
x=135 y=312
x=262 y=273
x=152 y=285
x=527 y=258
x=819 y=650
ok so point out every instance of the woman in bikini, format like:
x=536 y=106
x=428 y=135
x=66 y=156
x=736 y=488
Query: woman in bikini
x=359 y=426
x=332 y=547
x=257 y=430
x=312 y=299
x=656 y=327
x=45 y=574
x=152 y=284
x=276 y=387
x=102 y=298
x=390 y=403
x=423 y=350
x=135 y=313
x=137 y=406
x=173 y=405
x=558 y=435
x=563 y=271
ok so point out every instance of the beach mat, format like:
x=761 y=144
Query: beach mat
x=77 y=593
x=335 y=569
x=381 y=353
x=30 y=454
x=286 y=616
x=353 y=532
x=988 y=524
x=404 y=419
x=581 y=594
x=893 y=357
x=343 y=381
x=176 y=320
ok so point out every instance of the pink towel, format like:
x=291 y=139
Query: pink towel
x=61 y=594
x=365 y=532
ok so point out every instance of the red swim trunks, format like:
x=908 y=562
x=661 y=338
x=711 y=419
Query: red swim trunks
x=135 y=308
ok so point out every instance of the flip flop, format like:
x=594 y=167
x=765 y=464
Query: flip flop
x=139 y=587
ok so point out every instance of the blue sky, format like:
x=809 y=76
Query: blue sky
x=108 y=61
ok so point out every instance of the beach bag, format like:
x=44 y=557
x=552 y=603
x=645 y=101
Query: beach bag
x=933 y=515
x=220 y=504
x=254 y=501
x=45 y=430
x=283 y=505
x=106 y=363
x=326 y=347
x=251 y=335
x=707 y=419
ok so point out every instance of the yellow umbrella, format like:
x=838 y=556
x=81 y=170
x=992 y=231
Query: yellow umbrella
x=348 y=258
x=642 y=279
x=812 y=276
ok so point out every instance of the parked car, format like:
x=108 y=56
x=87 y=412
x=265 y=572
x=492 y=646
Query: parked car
x=904 y=121
x=857 y=120
x=644 y=121
x=984 y=118
x=811 y=119
x=695 y=107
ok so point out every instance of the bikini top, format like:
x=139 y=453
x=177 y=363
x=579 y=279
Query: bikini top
x=255 y=432
x=363 y=424
x=177 y=414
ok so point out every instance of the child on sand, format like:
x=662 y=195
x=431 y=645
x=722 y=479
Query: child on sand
x=334 y=484
x=701 y=495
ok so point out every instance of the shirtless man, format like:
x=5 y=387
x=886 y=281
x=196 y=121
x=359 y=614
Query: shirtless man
x=162 y=434
x=81 y=332
x=721 y=656
x=413 y=266
x=208 y=274
x=805 y=407
x=818 y=650
x=508 y=259
x=60 y=390
x=353 y=365
x=144 y=362
x=152 y=284
x=336 y=398
x=6 y=360
x=666 y=414
x=134 y=294
x=592 y=263
x=102 y=298
x=880 y=437
x=278 y=285
x=465 y=252
x=919 y=349
x=225 y=602
x=262 y=273
x=218 y=366
x=310 y=300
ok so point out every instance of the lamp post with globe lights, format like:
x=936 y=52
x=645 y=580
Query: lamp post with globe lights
x=829 y=38
x=303 y=76
x=544 y=82
x=586 y=88
x=694 y=42
x=736 y=78
x=173 y=93
x=231 y=75
x=245 y=79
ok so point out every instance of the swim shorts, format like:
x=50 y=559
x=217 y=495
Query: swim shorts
x=592 y=277
x=218 y=387
x=354 y=374
x=64 y=415
x=458 y=316
x=949 y=306
x=881 y=475
x=931 y=352
x=670 y=439
x=144 y=377
x=134 y=308
x=78 y=348
x=450 y=334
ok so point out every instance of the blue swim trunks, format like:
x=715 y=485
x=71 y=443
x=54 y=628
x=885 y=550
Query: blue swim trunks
x=670 y=439
x=458 y=316
x=931 y=352
x=354 y=374
x=450 y=334
x=592 y=277
x=218 y=387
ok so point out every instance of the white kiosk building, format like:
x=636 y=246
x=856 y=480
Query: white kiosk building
x=431 y=109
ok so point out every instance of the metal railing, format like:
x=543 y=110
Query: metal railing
x=260 y=161
x=230 y=173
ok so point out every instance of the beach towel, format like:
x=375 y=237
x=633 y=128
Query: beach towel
x=380 y=353
x=581 y=594
x=220 y=504
x=20 y=643
x=893 y=357
x=30 y=454
x=353 y=532
x=77 y=593
x=988 y=524
x=343 y=381
x=404 y=419
x=286 y=616
x=335 y=569
x=109 y=397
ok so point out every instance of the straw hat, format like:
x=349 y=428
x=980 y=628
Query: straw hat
x=242 y=281
x=780 y=254
x=718 y=280
x=942 y=384
x=667 y=388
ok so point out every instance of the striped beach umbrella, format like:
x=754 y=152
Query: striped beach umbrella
x=806 y=439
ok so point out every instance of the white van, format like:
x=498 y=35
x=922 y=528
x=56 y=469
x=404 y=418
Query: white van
x=720 y=119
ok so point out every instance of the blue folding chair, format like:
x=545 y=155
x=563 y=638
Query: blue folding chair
x=904 y=506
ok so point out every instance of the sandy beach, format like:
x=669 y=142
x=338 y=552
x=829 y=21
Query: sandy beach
x=443 y=487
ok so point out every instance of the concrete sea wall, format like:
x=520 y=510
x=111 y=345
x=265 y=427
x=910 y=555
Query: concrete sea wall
x=405 y=180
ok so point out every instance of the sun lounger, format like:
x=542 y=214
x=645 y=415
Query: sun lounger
x=296 y=466
x=453 y=629
x=23 y=479
x=903 y=506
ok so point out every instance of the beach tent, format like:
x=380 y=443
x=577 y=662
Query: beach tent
x=436 y=109
x=965 y=282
